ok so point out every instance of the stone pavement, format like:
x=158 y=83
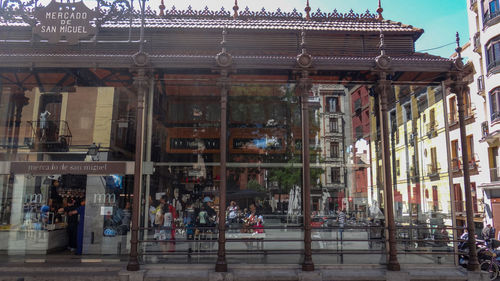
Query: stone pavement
x=242 y=272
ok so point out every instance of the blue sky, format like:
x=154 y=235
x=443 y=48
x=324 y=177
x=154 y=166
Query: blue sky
x=440 y=19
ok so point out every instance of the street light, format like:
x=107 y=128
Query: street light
x=93 y=149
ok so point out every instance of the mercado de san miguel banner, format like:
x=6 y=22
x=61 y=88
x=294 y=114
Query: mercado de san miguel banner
x=70 y=21
x=67 y=167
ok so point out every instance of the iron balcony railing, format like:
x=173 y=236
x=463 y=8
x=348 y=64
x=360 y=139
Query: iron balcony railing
x=54 y=133
x=495 y=174
x=490 y=19
x=433 y=169
x=492 y=65
x=431 y=129
x=456 y=165
x=480 y=84
x=477 y=42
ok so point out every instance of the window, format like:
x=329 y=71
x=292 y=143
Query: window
x=334 y=125
x=359 y=132
x=453 y=110
x=408 y=112
x=470 y=148
x=491 y=10
x=495 y=104
x=433 y=159
x=493 y=6
x=455 y=162
x=432 y=117
x=333 y=104
x=493 y=55
x=334 y=149
x=435 y=198
x=398 y=170
x=335 y=175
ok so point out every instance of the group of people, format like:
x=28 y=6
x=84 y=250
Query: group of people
x=251 y=219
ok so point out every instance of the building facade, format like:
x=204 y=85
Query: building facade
x=223 y=138
x=484 y=84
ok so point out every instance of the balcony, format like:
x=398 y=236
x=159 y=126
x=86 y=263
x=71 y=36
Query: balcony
x=456 y=165
x=477 y=43
x=460 y=206
x=433 y=170
x=431 y=129
x=473 y=163
x=453 y=117
x=473 y=5
x=493 y=67
x=49 y=135
x=480 y=85
x=490 y=19
x=495 y=174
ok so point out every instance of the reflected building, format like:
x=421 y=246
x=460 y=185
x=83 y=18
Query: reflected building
x=482 y=108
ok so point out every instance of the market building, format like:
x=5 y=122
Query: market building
x=182 y=137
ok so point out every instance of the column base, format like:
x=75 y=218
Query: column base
x=133 y=265
x=221 y=266
x=308 y=266
x=393 y=266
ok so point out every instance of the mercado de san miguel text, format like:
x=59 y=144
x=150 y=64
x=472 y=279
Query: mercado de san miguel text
x=225 y=137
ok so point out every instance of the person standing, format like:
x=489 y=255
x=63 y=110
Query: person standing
x=487 y=232
x=72 y=221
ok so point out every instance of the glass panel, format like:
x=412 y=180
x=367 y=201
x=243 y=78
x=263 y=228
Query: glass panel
x=422 y=195
x=63 y=127
x=181 y=212
x=265 y=175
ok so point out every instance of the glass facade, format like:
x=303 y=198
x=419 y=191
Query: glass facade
x=67 y=151
x=61 y=134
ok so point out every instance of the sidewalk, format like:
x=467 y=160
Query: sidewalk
x=117 y=272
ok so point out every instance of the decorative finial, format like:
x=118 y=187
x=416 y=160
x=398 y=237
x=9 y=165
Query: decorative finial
x=235 y=9
x=458 y=49
x=223 y=43
x=380 y=10
x=303 y=41
x=382 y=43
x=162 y=8
x=308 y=10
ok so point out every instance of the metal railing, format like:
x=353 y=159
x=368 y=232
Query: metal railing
x=49 y=133
x=423 y=243
x=460 y=206
x=495 y=174
x=491 y=18
x=431 y=129
x=433 y=169
x=492 y=65
x=456 y=164
x=477 y=42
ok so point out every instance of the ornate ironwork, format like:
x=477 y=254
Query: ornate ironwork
x=205 y=13
x=115 y=10
x=18 y=10
x=335 y=15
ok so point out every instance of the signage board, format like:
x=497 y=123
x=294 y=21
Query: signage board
x=74 y=168
x=70 y=21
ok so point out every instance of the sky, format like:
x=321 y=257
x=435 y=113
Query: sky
x=440 y=19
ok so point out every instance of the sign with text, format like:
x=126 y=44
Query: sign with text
x=71 y=21
x=74 y=168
